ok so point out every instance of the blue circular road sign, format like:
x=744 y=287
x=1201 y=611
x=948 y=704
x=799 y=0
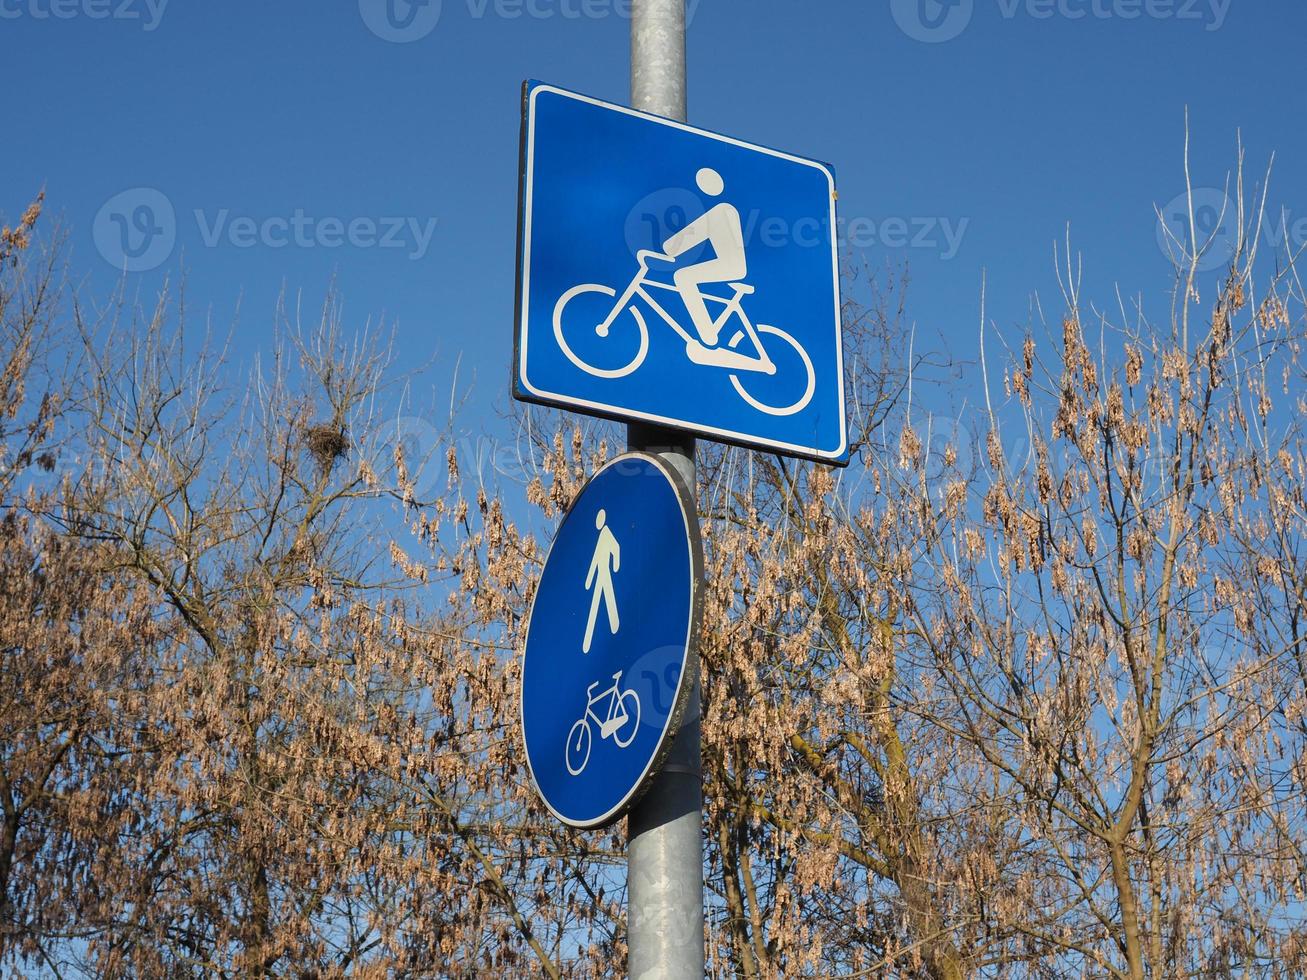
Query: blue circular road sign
x=607 y=669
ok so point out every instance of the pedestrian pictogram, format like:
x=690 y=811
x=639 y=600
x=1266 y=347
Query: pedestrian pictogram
x=606 y=561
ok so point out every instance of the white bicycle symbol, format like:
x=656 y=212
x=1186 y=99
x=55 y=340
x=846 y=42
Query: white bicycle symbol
x=623 y=707
x=745 y=366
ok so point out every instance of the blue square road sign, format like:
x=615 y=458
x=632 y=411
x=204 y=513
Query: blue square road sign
x=676 y=276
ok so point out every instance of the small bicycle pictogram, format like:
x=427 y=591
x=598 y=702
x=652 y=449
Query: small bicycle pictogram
x=623 y=712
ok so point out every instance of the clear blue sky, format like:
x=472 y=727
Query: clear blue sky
x=1037 y=113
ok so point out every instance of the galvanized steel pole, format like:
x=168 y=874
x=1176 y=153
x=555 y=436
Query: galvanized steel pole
x=665 y=849
x=658 y=57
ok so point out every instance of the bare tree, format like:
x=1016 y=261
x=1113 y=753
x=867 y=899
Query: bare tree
x=1028 y=702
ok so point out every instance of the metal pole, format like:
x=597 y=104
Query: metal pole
x=658 y=57
x=665 y=850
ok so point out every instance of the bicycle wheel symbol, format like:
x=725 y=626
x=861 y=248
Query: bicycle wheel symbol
x=630 y=707
x=623 y=346
x=787 y=391
x=579 y=740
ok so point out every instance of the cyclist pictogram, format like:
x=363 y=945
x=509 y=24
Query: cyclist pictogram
x=745 y=355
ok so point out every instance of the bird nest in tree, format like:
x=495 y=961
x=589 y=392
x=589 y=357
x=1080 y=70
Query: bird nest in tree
x=326 y=443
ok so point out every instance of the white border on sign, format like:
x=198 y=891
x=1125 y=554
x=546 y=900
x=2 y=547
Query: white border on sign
x=678 y=708
x=606 y=408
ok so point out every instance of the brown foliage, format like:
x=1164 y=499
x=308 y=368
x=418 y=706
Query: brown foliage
x=1024 y=698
